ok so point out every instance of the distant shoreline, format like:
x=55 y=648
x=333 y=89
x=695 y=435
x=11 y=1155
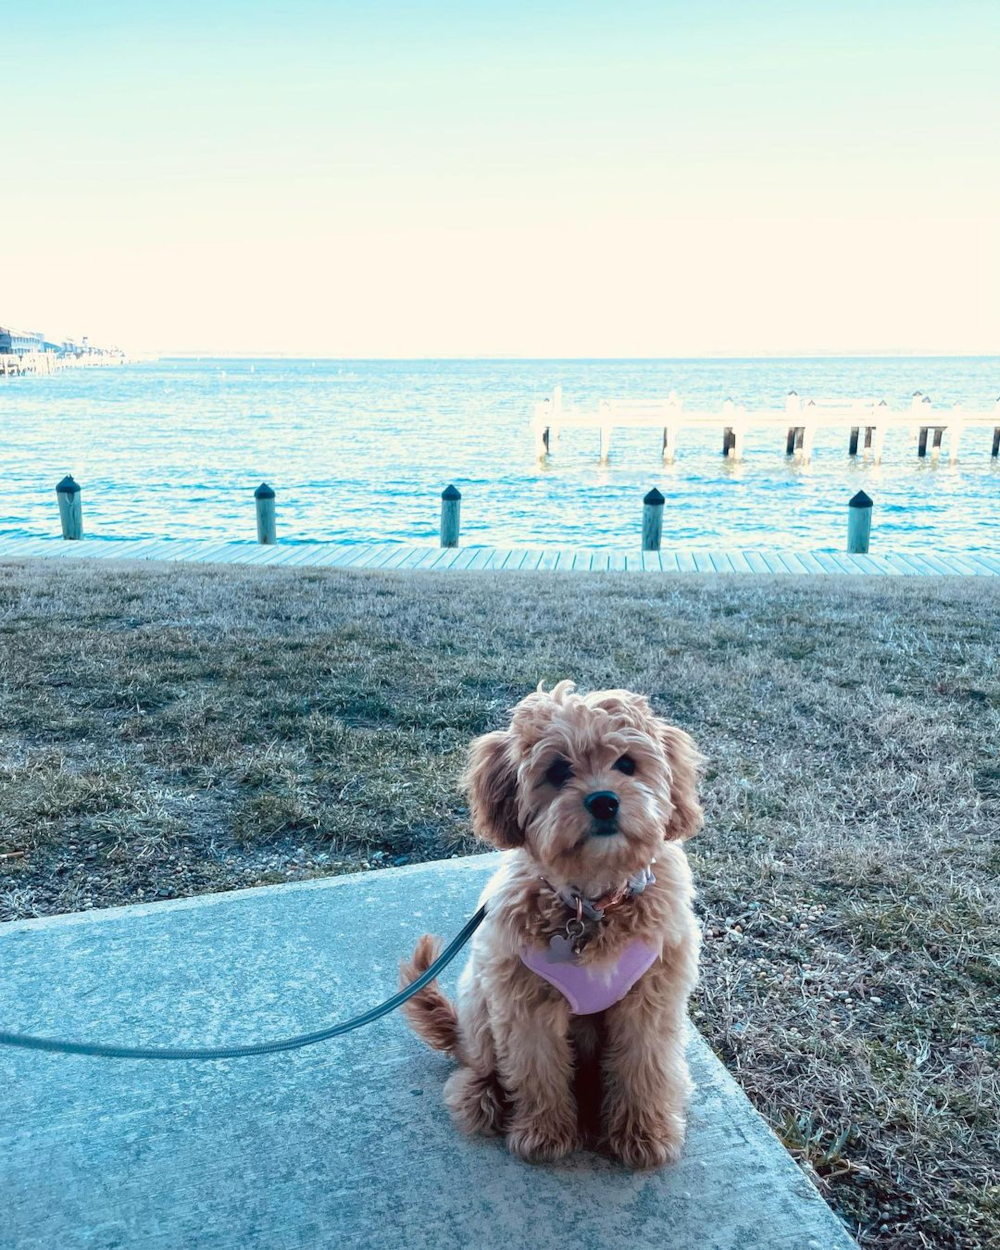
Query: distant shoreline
x=575 y=360
x=45 y=364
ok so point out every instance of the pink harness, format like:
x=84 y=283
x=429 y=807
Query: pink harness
x=591 y=987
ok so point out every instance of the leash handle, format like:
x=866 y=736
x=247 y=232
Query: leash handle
x=58 y=1046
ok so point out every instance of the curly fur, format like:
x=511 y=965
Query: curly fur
x=528 y=1068
x=429 y=1012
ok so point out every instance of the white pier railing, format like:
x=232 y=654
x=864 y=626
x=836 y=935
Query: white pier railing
x=864 y=421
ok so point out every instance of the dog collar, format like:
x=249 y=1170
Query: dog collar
x=594 y=908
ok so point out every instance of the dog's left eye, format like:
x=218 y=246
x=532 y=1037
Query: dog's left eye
x=625 y=765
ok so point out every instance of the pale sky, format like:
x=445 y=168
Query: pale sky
x=499 y=178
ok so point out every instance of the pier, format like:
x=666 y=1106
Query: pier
x=13 y=365
x=863 y=424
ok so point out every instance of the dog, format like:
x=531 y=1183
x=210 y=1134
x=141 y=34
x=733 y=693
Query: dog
x=571 y=1016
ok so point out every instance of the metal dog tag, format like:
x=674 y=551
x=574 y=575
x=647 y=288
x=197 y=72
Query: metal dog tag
x=561 y=949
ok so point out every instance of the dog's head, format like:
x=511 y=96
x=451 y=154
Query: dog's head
x=591 y=785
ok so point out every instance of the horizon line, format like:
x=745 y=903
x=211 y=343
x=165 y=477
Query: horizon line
x=886 y=354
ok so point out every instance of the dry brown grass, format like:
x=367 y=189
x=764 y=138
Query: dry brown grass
x=168 y=730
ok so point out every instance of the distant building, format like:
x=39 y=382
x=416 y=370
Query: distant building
x=17 y=342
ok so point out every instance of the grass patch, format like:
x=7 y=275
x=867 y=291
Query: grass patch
x=170 y=730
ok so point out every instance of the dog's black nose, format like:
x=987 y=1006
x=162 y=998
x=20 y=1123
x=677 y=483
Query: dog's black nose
x=602 y=804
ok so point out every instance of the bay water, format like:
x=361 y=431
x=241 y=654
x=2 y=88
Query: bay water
x=360 y=451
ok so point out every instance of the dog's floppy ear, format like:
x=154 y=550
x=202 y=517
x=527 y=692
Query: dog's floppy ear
x=684 y=760
x=491 y=780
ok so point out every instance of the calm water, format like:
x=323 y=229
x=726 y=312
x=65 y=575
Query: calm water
x=361 y=450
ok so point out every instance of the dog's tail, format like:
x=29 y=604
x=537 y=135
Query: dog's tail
x=431 y=1014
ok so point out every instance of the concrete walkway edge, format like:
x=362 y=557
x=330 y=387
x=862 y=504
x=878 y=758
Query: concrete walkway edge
x=344 y=1144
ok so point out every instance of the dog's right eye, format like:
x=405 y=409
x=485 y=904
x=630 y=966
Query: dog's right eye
x=558 y=773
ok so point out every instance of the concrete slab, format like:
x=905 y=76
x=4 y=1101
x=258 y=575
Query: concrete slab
x=344 y=1144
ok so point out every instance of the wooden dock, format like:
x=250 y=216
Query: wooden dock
x=397 y=556
x=864 y=423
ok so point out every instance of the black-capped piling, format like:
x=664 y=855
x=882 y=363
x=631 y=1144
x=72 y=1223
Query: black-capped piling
x=859 y=523
x=267 y=530
x=451 y=516
x=652 y=520
x=70 y=507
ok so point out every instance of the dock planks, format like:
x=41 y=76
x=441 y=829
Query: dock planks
x=402 y=557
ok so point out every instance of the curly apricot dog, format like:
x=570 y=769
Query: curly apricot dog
x=570 y=1021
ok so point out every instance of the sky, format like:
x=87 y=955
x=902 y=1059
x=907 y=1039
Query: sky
x=503 y=178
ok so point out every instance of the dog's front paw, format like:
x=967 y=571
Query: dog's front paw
x=644 y=1146
x=541 y=1142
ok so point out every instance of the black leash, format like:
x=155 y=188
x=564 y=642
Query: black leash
x=27 y=1042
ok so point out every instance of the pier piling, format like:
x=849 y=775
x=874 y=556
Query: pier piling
x=921 y=409
x=70 y=507
x=877 y=434
x=266 y=528
x=542 y=428
x=546 y=424
x=671 y=412
x=728 y=434
x=954 y=433
x=451 y=509
x=652 y=520
x=734 y=434
x=859 y=524
x=808 y=432
x=792 y=408
x=605 y=432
